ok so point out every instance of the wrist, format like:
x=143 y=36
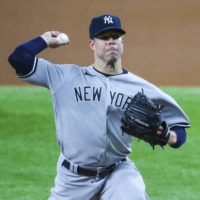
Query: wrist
x=172 y=138
x=46 y=39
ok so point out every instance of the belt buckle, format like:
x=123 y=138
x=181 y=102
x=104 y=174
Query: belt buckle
x=101 y=172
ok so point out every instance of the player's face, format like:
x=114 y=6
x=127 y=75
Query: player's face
x=108 y=46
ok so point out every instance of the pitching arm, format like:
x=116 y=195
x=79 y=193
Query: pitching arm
x=23 y=57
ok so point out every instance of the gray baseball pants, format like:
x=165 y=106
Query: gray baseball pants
x=124 y=183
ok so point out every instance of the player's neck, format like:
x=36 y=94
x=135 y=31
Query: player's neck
x=109 y=68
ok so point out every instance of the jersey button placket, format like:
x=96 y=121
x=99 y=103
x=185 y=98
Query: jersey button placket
x=108 y=99
x=107 y=103
x=104 y=138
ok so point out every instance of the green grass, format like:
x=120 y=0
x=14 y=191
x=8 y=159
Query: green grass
x=29 y=151
x=28 y=147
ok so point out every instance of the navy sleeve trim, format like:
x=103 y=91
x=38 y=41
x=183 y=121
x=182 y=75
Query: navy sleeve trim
x=183 y=125
x=31 y=72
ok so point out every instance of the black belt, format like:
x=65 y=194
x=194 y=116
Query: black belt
x=86 y=172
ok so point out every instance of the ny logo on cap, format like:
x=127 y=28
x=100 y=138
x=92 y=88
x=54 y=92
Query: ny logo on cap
x=108 y=19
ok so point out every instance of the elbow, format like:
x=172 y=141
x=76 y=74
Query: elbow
x=21 y=60
x=14 y=60
x=11 y=59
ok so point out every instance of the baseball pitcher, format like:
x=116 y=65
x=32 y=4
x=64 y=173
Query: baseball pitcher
x=99 y=110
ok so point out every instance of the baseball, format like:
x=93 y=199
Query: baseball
x=64 y=37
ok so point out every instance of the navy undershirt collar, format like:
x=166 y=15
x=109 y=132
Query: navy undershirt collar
x=107 y=75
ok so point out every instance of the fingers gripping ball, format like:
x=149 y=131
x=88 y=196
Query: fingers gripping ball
x=142 y=119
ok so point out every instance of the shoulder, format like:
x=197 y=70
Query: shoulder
x=139 y=83
x=139 y=80
x=60 y=66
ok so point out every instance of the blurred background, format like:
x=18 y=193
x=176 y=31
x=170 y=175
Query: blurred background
x=161 y=45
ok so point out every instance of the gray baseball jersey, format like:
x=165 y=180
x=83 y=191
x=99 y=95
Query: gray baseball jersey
x=88 y=108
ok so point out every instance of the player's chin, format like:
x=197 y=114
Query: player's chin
x=112 y=60
x=112 y=57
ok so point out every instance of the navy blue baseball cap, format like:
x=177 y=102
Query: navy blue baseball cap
x=105 y=22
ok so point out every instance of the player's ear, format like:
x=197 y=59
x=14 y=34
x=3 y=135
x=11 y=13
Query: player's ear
x=91 y=44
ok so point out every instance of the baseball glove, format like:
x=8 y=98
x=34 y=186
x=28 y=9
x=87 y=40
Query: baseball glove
x=142 y=119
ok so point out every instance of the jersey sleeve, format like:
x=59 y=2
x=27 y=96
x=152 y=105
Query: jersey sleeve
x=172 y=113
x=47 y=74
